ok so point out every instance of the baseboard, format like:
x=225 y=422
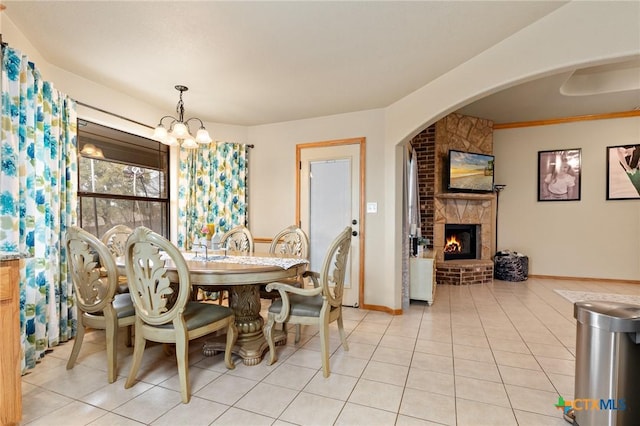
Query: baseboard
x=608 y=280
x=382 y=309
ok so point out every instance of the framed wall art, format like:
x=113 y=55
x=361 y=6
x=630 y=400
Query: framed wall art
x=559 y=175
x=623 y=172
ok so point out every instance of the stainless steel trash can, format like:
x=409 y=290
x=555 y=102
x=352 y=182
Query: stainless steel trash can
x=607 y=378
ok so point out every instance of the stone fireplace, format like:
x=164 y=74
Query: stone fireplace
x=440 y=207
x=465 y=209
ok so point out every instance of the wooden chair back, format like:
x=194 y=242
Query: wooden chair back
x=291 y=240
x=238 y=239
x=116 y=239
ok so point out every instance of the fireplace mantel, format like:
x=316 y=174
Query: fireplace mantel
x=464 y=196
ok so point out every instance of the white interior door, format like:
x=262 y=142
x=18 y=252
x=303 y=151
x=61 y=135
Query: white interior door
x=329 y=201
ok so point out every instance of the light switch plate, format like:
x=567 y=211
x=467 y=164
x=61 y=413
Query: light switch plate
x=372 y=207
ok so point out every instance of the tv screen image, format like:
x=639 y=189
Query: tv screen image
x=470 y=172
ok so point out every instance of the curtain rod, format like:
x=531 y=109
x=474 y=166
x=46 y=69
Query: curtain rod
x=114 y=114
x=120 y=116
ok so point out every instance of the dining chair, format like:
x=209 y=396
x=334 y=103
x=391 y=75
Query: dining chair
x=115 y=239
x=164 y=311
x=292 y=241
x=238 y=239
x=319 y=306
x=95 y=279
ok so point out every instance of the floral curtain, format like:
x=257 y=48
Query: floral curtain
x=38 y=188
x=212 y=188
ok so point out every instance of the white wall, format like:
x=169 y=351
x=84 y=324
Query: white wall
x=577 y=33
x=593 y=237
x=273 y=172
x=103 y=101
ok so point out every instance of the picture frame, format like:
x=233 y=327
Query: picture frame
x=559 y=173
x=623 y=172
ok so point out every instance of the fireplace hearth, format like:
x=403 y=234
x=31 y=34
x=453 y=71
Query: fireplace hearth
x=461 y=241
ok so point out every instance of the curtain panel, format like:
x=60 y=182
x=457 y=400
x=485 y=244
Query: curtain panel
x=412 y=222
x=38 y=187
x=212 y=188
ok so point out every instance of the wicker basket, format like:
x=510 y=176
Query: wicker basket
x=510 y=266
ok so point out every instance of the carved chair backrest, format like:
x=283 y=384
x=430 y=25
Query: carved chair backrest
x=238 y=239
x=116 y=239
x=334 y=268
x=156 y=299
x=291 y=240
x=93 y=270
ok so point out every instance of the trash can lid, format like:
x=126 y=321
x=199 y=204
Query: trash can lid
x=612 y=316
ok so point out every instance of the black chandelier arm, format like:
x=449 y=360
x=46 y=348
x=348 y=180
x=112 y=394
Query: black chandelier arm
x=186 y=122
x=167 y=116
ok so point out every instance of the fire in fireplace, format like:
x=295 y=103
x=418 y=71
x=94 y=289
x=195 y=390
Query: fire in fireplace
x=461 y=241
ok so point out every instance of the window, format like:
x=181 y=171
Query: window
x=127 y=184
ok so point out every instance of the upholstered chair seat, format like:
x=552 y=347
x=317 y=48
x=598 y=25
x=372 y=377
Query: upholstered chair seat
x=164 y=310
x=95 y=280
x=320 y=305
x=292 y=241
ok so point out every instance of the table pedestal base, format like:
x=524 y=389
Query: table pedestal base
x=250 y=351
x=244 y=301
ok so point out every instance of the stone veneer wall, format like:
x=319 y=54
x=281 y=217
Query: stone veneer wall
x=472 y=134
x=438 y=207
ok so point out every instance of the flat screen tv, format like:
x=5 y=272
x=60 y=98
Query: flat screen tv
x=470 y=172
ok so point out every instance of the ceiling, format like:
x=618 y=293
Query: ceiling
x=251 y=63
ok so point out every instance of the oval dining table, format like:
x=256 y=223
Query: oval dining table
x=242 y=279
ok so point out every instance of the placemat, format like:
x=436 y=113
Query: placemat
x=284 y=263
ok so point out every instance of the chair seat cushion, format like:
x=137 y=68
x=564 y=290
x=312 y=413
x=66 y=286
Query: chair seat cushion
x=197 y=314
x=304 y=306
x=123 y=285
x=123 y=305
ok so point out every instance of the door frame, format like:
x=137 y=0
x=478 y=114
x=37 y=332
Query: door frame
x=361 y=141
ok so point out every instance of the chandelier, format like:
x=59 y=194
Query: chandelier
x=178 y=132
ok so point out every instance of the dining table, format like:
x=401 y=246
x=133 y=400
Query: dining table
x=241 y=274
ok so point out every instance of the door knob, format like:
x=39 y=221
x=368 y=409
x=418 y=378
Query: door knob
x=354 y=233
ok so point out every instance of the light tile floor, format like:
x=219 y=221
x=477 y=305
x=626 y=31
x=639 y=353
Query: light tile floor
x=497 y=354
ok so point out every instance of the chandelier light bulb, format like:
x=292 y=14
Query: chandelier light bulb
x=180 y=130
x=203 y=136
x=160 y=133
x=171 y=141
x=189 y=143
